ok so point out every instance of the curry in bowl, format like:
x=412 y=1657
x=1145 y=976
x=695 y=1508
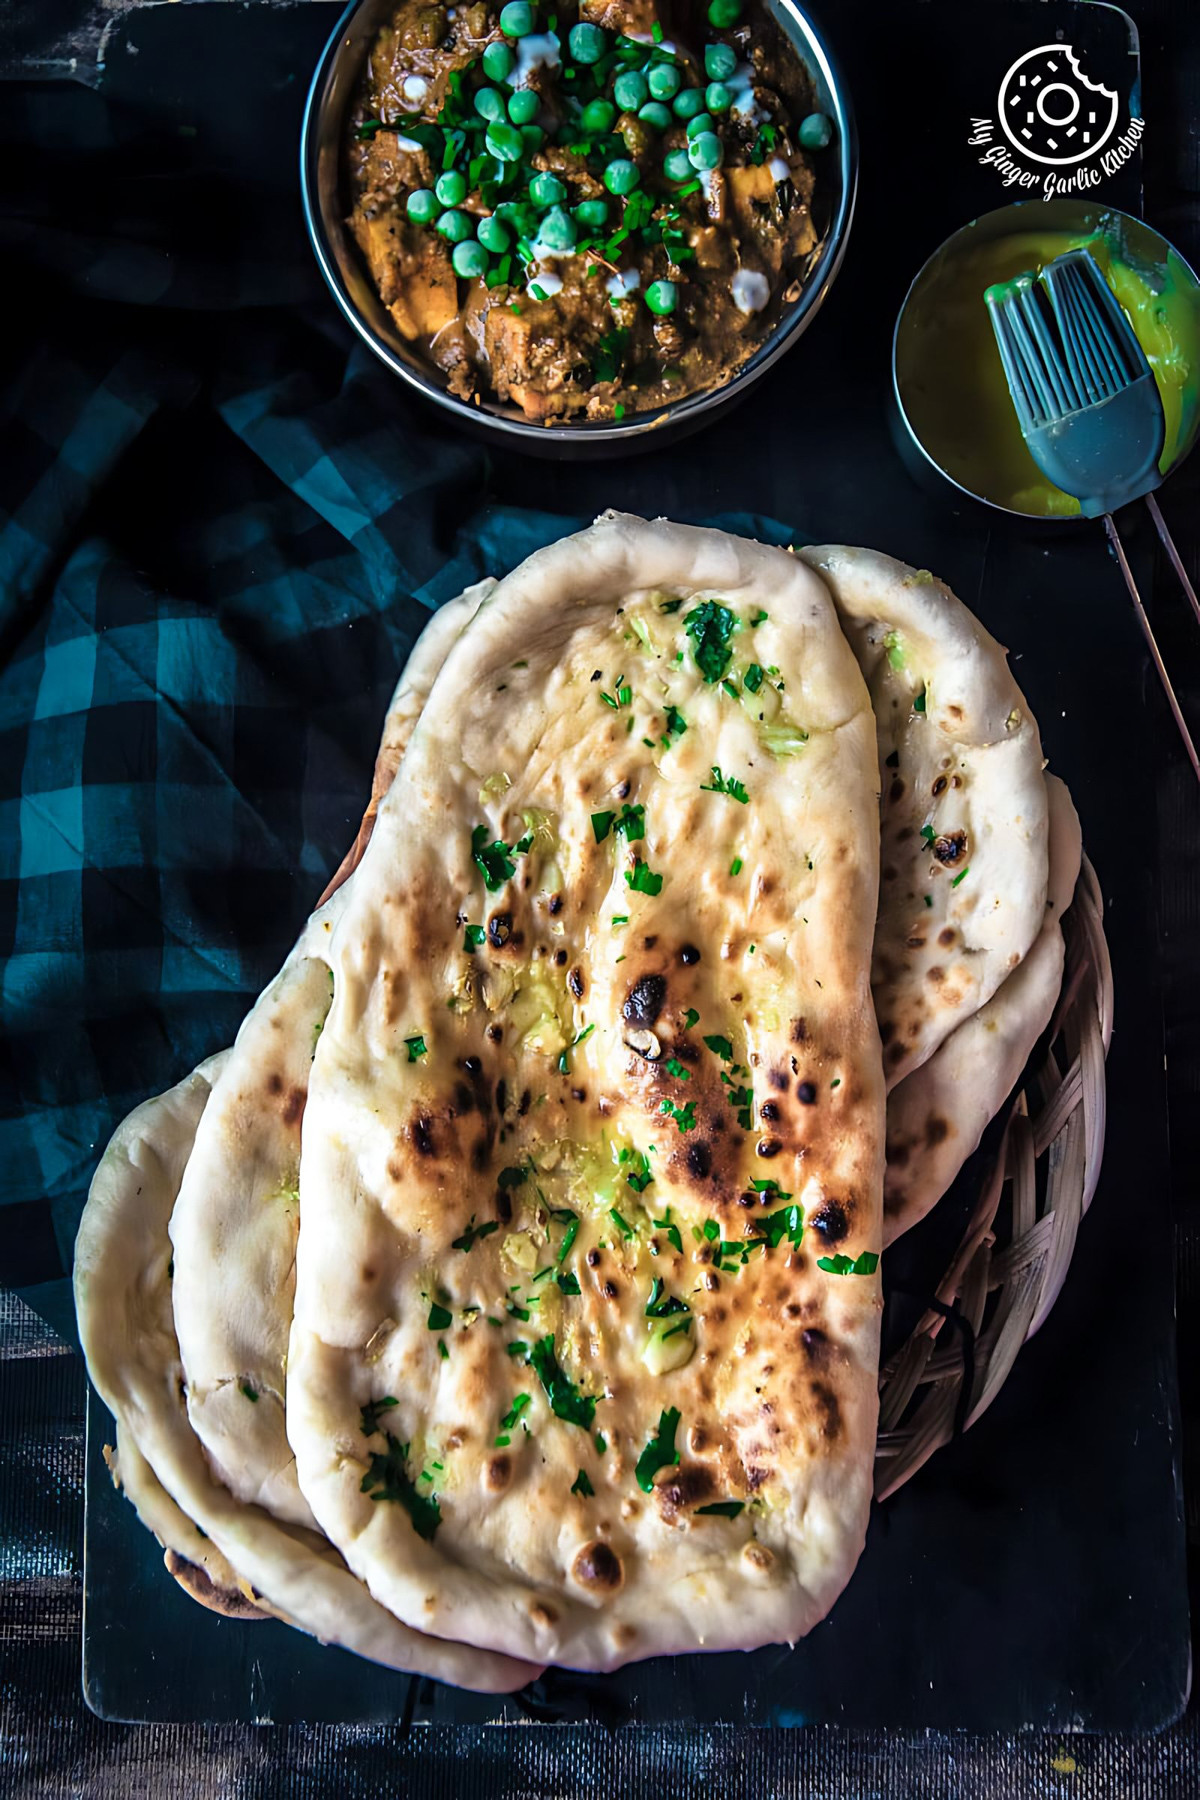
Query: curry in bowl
x=587 y=211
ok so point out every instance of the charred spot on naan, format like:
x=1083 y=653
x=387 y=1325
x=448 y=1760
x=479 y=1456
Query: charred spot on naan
x=597 y=1568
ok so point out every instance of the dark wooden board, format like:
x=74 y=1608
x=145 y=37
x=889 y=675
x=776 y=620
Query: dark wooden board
x=1033 y=1574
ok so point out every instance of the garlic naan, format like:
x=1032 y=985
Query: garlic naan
x=964 y=851
x=586 y=1323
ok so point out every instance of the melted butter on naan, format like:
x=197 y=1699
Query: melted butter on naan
x=564 y=1250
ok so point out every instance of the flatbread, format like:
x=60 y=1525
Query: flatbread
x=193 y=1559
x=122 y=1298
x=964 y=854
x=234 y=1225
x=937 y=1116
x=513 y=1478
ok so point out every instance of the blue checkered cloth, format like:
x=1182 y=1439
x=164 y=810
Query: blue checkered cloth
x=208 y=583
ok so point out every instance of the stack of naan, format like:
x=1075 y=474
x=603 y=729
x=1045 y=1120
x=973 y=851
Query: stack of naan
x=509 y=1293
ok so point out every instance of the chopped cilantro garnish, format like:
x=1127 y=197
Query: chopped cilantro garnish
x=564 y=1061
x=567 y=1283
x=566 y=1401
x=658 y=1307
x=512 y=1177
x=758 y=616
x=684 y=1116
x=691 y=1017
x=660 y=1452
x=753 y=677
x=602 y=825
x=515 y=1410
x=736 y=866
x=674 y=1067
x=367 y=129
x=961 y=876
x=582 y=1486
x=723 y=1509
x=742 y=1100
x=439 y=1319
x=518 y=1347
x=836 y=1082
x=671 y=606
x=656 y=32
x=473 y=1233
x=473 y=936
x=787 y=1223
x=445 y=1356
x=720 y=1046
x=866 y=1264
x=723 y=784
x=517 y=1312
x=711 y=1230
x=676 y=724
x=569 y=1236
x=622 y=1225
x=672 y=1231
x=387 y=1479
x=639 y=1177
x=632 y=822
x=416 y=1047
x=369 y=1422
x=919 y=702
x=601 y=1443
x=250 y=1393
x=710 y=627
x=620 y=919
x=730 y=689
x=929 y=899
x=494 y=861
x=643 y=880
x=771 y=1189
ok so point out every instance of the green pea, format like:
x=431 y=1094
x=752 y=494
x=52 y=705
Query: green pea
x=422 y=207
x=630 y=90
x=656 y=114
x=558 y=230
x=498 y=62
x=504 y=141
x=702 y=122
x=489 y=104
x=455 y=227
x=547 y=190
x=598 y=115
x=523 y=106
x=721 y=13
x=677 y=166
x=816 y=131
x=687 y=103
x=469 y=259
x=588 y=43
x=720 y=60
x=494 y=235
x=664 y=81
x=705 y=151
x=533 y=137
x=621 y=176
x=592 y=212
x=516 y=19
x=717 y=97
x=661 y=297
x=451 y=188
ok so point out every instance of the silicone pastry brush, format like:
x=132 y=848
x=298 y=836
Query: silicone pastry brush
x=1089 y=409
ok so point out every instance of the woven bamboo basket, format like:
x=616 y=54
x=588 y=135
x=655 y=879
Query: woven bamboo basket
x=1009 y=1267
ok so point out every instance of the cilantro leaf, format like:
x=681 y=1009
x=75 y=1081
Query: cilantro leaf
x=387 y=1478
x=582 y=1486
x=643 y=880
x=723 y=1509
x=660 y=1452
x=710 y=627
x=566 y=1401
x=684 y=1116
x=473 y=1233
x=725 y=784
x=416 y=1047
x=602 y=824
x=659 y=1308
x=492 y=860
x=866 y=1264
x=473 y=936
x=564 y=1060
x=720 y=1046
x=439 y=1319
x=369 y=1423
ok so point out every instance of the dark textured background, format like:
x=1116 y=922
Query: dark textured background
x=50 y=1744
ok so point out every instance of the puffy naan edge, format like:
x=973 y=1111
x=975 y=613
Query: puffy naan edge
x=938 y=1114
x=957 y=912
x=234 y=1224
x=121 y=1277
x=542 y=1576
x=190 y=1557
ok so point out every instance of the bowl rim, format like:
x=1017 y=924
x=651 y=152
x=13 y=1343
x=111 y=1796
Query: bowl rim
x=1052 y=209
x=694 y=408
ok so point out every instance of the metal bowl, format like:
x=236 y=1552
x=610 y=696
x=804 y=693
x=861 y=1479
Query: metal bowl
x=937 y=407
x=329 y=100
